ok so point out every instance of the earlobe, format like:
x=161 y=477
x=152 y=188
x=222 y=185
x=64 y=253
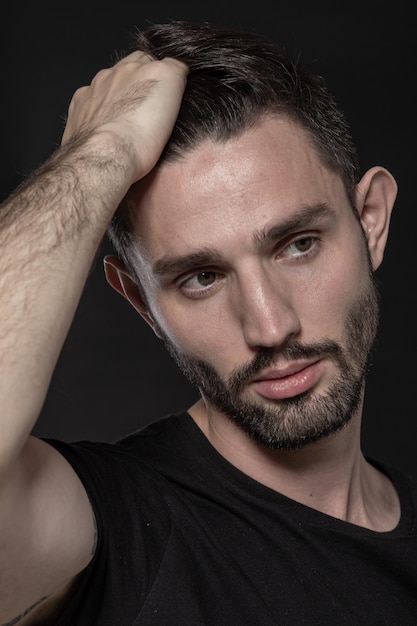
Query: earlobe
x=120 y=279
x=375 y=196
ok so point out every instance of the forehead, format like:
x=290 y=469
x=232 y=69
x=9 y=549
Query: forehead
x=221 y=191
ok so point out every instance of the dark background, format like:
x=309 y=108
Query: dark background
x=113 y=375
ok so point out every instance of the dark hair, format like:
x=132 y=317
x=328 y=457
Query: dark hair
x=235 y=78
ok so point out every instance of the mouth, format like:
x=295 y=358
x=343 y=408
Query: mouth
x=292 y=380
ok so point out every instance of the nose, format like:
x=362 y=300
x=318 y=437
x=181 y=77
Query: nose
x=266 y=311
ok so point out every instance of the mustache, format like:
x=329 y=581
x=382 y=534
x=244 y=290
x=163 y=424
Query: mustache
x=266 y=357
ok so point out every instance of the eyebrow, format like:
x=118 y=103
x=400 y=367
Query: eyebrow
x=302 y=219
x=183 y=263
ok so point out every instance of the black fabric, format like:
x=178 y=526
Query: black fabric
x=187 y=539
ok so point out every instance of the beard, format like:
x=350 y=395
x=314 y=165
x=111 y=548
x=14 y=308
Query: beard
x=294 y=422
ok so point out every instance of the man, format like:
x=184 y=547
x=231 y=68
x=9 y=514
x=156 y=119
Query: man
x=247 y=239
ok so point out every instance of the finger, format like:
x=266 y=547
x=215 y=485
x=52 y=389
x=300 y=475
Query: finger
x=138 y=56
x=181 y=65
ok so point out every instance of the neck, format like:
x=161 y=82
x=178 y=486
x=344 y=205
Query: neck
x=331 y=475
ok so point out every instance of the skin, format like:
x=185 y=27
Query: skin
x=50 y=229
x=116 y=130
x=243 y=297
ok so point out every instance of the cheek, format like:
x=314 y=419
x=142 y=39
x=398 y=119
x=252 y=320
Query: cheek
x=204 y=332
x=331 y=293
x=191 y=329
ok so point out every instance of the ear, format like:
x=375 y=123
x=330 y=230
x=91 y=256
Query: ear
x=375 y=196
x=120 y=279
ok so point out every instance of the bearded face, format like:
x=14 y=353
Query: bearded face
x=293 y=422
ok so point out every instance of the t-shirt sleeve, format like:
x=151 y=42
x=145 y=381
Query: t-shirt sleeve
x=133 y=528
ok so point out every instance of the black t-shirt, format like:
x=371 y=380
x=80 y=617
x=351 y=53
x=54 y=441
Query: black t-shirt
x=187 y=539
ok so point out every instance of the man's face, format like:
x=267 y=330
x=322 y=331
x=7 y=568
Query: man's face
x=258 y=279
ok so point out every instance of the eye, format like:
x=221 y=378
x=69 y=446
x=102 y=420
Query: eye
x=199 y=284
x=203 y=279
x=301 y=247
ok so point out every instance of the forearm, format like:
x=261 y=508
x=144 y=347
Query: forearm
x=49 y=233
x=50 y=229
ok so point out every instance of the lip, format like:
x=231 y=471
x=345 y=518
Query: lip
x=286 y=382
